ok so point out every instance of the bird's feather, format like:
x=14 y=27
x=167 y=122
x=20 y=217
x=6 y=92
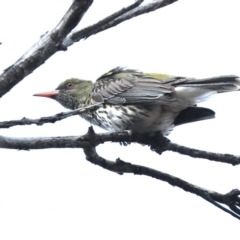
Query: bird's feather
x=193 y=114
x=127 y=86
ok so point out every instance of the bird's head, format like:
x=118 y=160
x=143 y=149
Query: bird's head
x=72 y=93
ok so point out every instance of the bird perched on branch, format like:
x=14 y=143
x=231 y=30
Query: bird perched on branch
x=141 y=102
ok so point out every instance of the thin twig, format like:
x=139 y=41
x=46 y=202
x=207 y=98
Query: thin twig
x=48 y=119
x=195 y=153
x=95 y=28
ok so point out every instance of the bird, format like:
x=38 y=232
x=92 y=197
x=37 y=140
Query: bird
x=131 y=100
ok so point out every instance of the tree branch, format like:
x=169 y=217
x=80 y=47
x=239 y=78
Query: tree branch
x=157 y=143
x=231 y=199
x=49 y=44
x=115 y=20
x=90 y=30
x=195 y=153
x=48 y=119
x=89 y=141
x=59 y=38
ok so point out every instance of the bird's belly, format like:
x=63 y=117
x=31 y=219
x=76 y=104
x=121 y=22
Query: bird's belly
x=136 y=118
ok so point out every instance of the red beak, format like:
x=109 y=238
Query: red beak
x=47 y=94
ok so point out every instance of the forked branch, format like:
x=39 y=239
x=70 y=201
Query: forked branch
x=88 y=143
x=61 y=37
x=158 y=143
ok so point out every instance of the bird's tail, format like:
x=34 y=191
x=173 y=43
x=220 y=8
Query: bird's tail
x=218 y=84
x=197 y=90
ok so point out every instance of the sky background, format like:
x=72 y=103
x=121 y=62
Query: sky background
x=56 y=193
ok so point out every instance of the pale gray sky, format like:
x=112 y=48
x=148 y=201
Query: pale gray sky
x=57 y=194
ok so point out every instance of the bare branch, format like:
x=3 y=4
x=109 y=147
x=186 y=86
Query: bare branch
x=49 y=44
x=157 y=143
x=49 y=119
x=230 y=199
x=59 y=38
x=90 y=30
x=195 y=153
x=108 y=19
x=105 y=24
x=89 y=141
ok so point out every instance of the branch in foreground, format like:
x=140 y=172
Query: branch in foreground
x=49 y=119
x=45 y=48
x=115 y=20
x=93 y=29
x=195 y=153
x=90 y=140
x=57 y=39
x=231 y=199
x=158 y=143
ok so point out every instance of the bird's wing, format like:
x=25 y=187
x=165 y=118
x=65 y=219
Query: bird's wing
x=125 y=86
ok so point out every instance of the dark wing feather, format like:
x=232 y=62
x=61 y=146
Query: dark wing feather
x=129 y=86
x=193 y=114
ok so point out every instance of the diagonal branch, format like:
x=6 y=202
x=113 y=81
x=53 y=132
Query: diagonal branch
x=96 y=28
x=45 y=48
x=231 y=199
x=90 y=140
x=59 y=38
x=90 y=30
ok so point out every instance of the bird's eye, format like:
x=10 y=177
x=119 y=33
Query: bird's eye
x=70 y=85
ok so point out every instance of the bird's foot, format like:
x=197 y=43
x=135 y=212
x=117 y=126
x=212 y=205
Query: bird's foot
x=156 y=141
